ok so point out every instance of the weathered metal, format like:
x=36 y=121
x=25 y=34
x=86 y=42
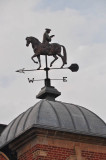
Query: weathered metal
x=53 y=49
x=46 y=37
x=47 y=49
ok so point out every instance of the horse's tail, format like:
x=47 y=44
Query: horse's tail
x=64 y=54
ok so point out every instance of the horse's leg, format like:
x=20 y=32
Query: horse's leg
x=39 y=61
x=55 y=58
x=59 y=54
x=33 y=59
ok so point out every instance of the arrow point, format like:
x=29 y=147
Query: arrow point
x=17 y=71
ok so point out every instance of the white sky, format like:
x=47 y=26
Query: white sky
x=79 y=25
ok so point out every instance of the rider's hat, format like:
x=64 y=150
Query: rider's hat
x=47 y=29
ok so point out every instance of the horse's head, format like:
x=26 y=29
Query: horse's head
x=32 y=40
x=28 y=41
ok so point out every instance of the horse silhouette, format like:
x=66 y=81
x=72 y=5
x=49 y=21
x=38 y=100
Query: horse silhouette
x=53 y=49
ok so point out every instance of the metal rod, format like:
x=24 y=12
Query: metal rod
x=59 y=68
x=32 y=69
x=46 y=67
x=57 y=79
x=39 y=80
x=47 y=80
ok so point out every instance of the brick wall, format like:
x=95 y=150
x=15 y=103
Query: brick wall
x=3 y=156
x=93 y=155
x=45 y=152
x=54 y=149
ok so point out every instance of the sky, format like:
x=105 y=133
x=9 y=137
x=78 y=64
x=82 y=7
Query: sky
x=79 y=25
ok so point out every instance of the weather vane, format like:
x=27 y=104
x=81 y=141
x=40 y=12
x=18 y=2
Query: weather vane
x=48 y=49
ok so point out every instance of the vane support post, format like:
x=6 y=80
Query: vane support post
x=47 y=80
x=48 y=92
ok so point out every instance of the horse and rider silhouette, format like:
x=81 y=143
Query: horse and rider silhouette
x=46 y=48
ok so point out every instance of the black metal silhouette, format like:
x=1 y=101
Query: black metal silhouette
x=53 y=49
x=73 y=67
x=46 y=37
x=47 y=49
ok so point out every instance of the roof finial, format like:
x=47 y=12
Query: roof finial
x=47 y=49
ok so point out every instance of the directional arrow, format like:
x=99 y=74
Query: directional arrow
x=24 y=70
x=20 y=70
x=73 y=67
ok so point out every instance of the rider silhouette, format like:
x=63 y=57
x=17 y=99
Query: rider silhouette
x=46 y=37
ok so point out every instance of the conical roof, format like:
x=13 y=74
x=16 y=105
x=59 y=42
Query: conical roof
x=55 y=115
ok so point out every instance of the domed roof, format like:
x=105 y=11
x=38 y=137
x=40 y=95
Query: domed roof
x=55 y=115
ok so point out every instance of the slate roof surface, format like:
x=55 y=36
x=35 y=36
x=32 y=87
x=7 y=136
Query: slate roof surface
x=55 y=115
